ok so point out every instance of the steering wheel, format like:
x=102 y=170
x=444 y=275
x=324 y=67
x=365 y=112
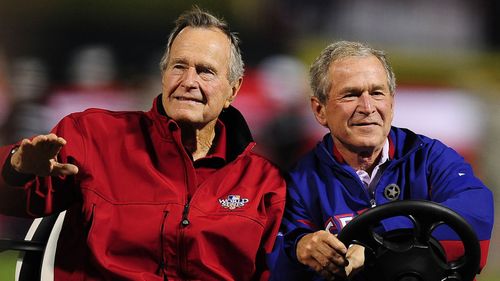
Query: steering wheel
x=412 y=254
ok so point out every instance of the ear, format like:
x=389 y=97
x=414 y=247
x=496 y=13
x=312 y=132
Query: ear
x=393 y=105
x=319 y=111
x=234 y=92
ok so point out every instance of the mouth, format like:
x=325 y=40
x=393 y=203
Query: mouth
x=188 y=99
x=365 y=124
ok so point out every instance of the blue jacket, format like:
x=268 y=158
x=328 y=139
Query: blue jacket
x=325 y=194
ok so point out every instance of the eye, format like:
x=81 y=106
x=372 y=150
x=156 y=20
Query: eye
x=178 y=66
x=204 y=69
x=205 y=73
x=378 y=94
x=351 y=95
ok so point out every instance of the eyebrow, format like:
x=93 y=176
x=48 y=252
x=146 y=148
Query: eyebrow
x=179 y=60
x=357 y=89
x=349 y=89
x=379 y=87
x=197 y=65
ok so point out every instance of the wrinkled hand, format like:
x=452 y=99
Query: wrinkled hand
x=324 y=253
x=328 y=256
x=39 y=157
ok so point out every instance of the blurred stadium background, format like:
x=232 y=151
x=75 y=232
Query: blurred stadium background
x=59 y=56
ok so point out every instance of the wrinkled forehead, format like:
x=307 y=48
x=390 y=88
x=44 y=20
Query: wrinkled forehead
x=208 y=44
x=356 y=64
x=203 y=35
x=358 y=70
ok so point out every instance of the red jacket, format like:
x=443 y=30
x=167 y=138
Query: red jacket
x=128 y=214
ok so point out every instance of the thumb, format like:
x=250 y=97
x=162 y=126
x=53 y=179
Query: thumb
x=59 y=169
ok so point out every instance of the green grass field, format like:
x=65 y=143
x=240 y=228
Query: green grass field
x=8 y=265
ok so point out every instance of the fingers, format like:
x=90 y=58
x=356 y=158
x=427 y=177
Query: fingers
x=323 y=252
x=39 y=157
x=326 y=255
x=338 y=250
x=356 y=256
x=329 y=247
x=326 y=274
x=50 y=144
x=46 y=146
x=59 y=169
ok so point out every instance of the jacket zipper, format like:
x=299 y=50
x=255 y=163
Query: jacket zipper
x=182 y=251
x=182 y=259
x=371 y=195
x=162 y=264
x=185 y=220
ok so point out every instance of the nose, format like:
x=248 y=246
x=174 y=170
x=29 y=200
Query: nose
x=365 y=103
x=189 y=79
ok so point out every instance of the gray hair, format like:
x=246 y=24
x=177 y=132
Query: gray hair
x=198 y=18
x=320 y=69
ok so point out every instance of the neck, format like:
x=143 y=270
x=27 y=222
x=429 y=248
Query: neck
x=359 y=159
x=198 y=141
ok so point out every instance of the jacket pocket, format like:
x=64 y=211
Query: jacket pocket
x=125 y=240
x=162 y=264
x=89 y=222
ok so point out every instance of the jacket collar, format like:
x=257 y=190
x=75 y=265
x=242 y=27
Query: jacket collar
x=238 y=136
x=402 y=142
x=387 y=151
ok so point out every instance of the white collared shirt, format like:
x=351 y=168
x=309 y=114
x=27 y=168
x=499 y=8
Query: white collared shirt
x=371 y=181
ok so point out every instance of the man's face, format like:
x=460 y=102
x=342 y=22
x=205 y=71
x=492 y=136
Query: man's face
x=359 y=109
x=195 y=82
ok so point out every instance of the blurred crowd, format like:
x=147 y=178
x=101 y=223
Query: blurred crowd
x=33 y=103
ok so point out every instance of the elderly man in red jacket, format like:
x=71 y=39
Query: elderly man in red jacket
x=175 y=193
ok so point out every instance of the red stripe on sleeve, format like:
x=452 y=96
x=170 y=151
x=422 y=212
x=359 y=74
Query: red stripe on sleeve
x=308 y=223
x=455 y=249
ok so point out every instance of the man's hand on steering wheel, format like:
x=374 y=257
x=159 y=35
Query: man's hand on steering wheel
x=324 y=253
x=413 y=254
x=356 y=257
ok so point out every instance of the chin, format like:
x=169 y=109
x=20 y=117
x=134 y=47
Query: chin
x=185 y=118
x=369 y=143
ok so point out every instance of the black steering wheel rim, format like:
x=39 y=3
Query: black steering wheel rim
x=428 y=214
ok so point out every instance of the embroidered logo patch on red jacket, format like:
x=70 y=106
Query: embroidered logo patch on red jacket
x=233 y=201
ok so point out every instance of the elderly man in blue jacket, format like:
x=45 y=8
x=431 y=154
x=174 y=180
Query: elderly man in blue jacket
x=363 y=162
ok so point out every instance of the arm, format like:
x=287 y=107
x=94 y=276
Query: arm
x=306 y=250
x=36 y=169
x=12 y=200
x=454 y=185
x=274 y=213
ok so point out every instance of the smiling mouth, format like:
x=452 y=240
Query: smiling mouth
x=188 y=99
x=365 y=124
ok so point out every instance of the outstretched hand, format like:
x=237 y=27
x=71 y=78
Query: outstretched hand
x=39 y=157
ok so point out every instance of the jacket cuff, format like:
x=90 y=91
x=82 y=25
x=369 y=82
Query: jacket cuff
x=13 y=177
x=290 y=245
